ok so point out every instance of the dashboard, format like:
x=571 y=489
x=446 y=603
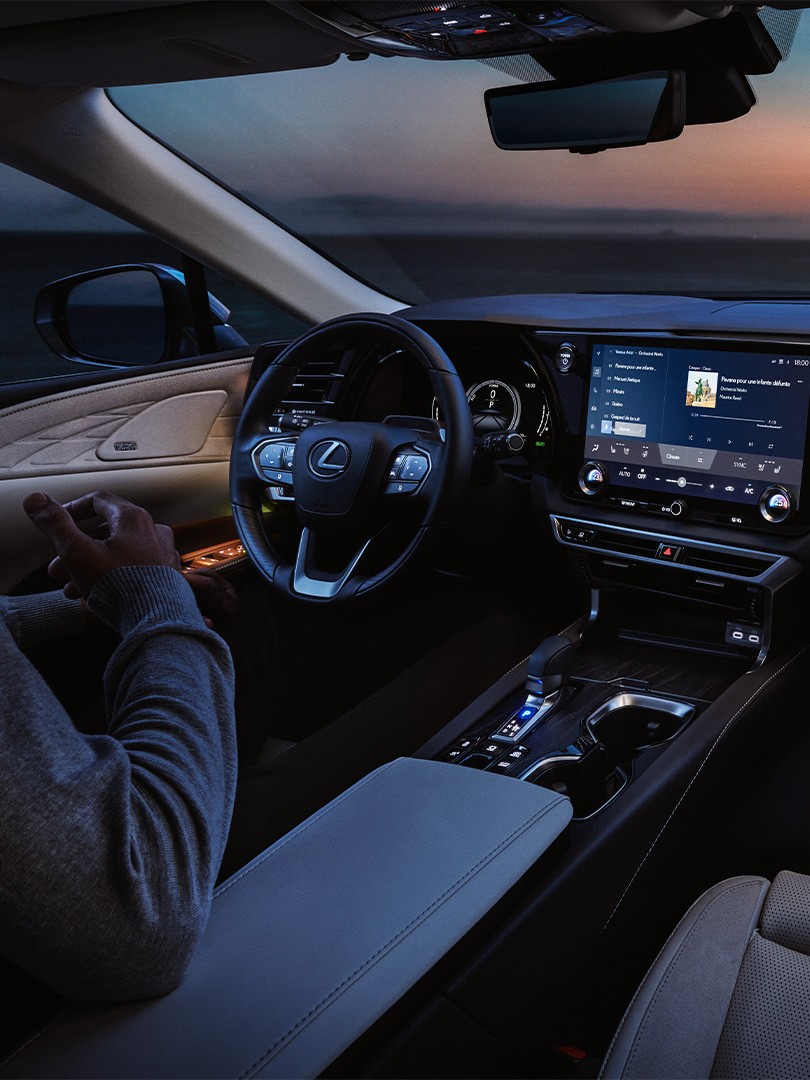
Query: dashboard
x=675 y=451
x=662 y=407
x=664 y=448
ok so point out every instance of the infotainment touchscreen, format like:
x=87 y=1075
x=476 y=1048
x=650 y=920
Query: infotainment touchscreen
x=707 y=423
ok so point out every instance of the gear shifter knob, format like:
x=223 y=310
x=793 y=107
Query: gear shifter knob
x=550 y=666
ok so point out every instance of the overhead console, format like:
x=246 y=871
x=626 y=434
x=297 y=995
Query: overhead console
x=715 y=431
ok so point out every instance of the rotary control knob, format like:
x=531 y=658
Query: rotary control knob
x=776 y=504
x=592 y=478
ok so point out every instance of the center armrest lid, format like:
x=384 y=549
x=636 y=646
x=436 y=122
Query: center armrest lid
x=311 y=942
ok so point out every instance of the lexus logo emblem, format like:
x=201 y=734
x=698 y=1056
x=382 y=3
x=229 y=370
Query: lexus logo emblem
x=329 y=459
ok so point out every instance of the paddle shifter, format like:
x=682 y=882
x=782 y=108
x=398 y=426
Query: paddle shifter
x=548 y=671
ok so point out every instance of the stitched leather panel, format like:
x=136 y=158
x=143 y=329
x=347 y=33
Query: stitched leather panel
x=320 y=935
x=64 y=432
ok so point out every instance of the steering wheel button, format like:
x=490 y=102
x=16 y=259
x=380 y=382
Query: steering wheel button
x=415 y=467
x=395 y=471
x=278 y=476
x=288 y=455
x=271 y=456
x=401 y=487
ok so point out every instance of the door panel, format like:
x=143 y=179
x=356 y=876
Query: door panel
x=181 y=423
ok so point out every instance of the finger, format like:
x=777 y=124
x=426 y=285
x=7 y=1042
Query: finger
x=104 y=505
x=71 y=592
x=215 y=589
x=52 y=520
x=82 y=508
x=57 y=570
x=230 y=598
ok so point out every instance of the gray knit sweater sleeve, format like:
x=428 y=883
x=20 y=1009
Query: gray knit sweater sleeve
x=110 y=844
x=39 y=617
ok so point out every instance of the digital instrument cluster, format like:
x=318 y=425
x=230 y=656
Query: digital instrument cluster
x=505 y=394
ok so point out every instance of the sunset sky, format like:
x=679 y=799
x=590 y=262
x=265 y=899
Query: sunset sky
x=416 y=132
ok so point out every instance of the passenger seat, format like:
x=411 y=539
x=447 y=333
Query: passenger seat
x=729 y=993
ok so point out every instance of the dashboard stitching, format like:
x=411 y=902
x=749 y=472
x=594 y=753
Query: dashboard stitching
x=710 y=751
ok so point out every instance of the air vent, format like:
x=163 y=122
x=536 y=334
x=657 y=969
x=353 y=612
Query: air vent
x=728 y=562
x=315 y=389
x=625 y=544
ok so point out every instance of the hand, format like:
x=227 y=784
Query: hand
x=127 y=536
x=214 y=593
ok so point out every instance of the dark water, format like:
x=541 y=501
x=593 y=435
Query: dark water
x=413 y=268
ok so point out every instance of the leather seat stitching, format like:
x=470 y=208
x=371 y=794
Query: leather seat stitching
x=302 y=828
x=671 y=966
x=293 y=1032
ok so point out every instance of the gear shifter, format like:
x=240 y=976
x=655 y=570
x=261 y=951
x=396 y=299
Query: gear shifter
x=549 y=668
x=548 y=671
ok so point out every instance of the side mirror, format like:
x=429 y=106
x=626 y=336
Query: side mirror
x=134 y=314
x=584 y=117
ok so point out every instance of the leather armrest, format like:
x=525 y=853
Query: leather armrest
x=315 y=939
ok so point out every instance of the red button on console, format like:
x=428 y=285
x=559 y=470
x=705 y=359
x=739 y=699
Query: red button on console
x=668 y=552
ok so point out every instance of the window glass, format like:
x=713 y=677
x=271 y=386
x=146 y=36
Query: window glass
x=388 y=167
x=48 y=234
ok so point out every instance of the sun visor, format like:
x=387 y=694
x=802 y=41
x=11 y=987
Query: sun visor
x=171 y=43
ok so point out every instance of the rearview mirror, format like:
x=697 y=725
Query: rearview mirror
x=584 y=117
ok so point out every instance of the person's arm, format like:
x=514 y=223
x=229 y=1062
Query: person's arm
x=39 y=617
x=109 y=845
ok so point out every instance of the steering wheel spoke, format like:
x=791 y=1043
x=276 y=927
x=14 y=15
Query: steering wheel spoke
x=309 y=580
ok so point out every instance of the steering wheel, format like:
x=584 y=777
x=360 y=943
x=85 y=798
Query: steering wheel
x=369 y=496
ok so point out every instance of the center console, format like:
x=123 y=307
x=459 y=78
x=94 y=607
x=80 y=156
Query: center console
x=678 y=509
x=583 y=725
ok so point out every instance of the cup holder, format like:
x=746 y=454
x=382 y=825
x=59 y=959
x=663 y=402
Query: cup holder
x=589 y=781
x=621 y=728
x=629 y=723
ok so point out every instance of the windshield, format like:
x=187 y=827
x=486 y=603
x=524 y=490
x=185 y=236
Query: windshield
x=388 y=167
